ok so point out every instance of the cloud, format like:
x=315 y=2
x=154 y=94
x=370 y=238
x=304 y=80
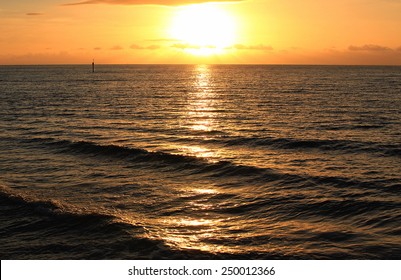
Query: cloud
x=146 y=2
x=398 y=49
x=136 y=47
x=151 y=47
x=233 y=47
x=369 y=48
x=256 y=48
x=163 y=40
x=116 y=48
x=39 y=58
x=33 y=14
x=184 y=46
x=97 y=49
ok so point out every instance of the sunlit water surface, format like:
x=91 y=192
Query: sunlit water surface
x=200 y=161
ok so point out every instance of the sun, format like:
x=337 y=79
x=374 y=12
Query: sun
x=203 y=29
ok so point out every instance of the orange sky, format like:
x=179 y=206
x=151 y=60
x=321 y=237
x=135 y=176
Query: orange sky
x=157 y=31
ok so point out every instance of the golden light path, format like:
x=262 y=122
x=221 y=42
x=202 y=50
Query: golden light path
x=201 y=112
x=203 y=29
x=189 y=231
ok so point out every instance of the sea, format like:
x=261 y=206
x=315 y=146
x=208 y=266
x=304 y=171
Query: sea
x=200 y=162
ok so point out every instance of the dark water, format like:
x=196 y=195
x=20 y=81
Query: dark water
x=197 y=161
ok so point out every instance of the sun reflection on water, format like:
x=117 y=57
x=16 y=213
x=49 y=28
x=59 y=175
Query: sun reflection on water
x=201 y=114
x=190 y=233
x=200 y=152
x=201 y=108
x=194 y=231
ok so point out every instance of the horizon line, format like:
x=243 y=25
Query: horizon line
x=261 y=64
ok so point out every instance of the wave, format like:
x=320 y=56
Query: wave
x=345 y=146
x=43 y=229
x=191 y=165
x=217 y=137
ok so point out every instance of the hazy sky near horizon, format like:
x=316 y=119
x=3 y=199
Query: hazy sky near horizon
x=177 y=31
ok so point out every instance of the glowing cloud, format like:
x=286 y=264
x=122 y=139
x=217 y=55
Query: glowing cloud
x=370 y=48
x=146 y=2
x=184 y=46
x=116 y=48
x=33 y=14
x=138 y=47
x=254 y=48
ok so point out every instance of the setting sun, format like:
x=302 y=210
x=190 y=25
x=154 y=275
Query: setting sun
x=203 y=29
x=200 y=31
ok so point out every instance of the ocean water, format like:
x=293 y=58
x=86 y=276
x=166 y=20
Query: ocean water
x=200 y=162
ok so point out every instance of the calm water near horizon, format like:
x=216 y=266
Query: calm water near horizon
x=200 y=162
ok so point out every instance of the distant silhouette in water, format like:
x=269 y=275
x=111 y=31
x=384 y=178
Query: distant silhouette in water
x=93 y=66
